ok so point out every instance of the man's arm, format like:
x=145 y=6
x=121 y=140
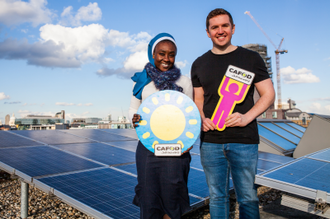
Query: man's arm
x=267 y=97
x=207 y=124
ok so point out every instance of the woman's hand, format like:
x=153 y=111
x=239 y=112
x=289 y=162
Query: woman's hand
x=136 y=118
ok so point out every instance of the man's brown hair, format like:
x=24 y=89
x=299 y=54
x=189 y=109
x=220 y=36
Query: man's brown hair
x=216 y=12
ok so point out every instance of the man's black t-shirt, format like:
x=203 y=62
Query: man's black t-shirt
x=208 y=71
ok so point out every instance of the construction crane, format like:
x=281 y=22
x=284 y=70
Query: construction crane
x=277 y=55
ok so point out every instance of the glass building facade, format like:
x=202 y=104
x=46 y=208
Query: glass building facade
x=38 y=121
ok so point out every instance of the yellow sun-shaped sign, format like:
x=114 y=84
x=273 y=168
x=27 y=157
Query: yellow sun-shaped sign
x=168 y=117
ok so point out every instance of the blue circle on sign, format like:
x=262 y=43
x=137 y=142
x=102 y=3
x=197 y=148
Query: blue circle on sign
x=168 y=117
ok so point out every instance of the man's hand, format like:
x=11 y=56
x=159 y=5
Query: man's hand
x=207 y=125
x=136 y=118
x=236 y=119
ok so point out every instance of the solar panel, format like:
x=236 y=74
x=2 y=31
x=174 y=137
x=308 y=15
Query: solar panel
x=7 y=139
x=197 y=183
x=97 y=135
x=296 y=126
x=279 y=141
x=196 y=162
x=81 y=177
x=105 y=190
x=194 y=201
x=281 y=132
x=127 y=145
x=131 y=168
x=103 y=153
x=299 y=177
x=322 y=155
x=289 y=129
x=43 y=160
x=195 y=149
x=274 y=157
x=197 y=186
x=52 y=137
x=264 y=165
x=131 y=133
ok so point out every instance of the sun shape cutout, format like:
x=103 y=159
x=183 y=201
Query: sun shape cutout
x=168 y=117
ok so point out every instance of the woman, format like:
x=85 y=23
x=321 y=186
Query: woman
x=162 y=181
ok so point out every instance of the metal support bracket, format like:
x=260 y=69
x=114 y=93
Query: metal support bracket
x=321 y=204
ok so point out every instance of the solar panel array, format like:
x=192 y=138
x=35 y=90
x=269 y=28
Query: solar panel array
x=94 y=170
x=281 y=134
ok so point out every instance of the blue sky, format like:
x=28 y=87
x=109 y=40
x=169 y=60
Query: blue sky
x=78 y=55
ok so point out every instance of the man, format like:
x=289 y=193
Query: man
x=235 y=149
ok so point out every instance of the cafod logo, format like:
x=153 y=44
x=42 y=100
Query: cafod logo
x=240 y=73
x=168 y=148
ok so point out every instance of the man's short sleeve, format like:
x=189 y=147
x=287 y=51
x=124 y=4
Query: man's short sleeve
x=194 y=75
x=260 y=69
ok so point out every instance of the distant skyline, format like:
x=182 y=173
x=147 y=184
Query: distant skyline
x=79 y=55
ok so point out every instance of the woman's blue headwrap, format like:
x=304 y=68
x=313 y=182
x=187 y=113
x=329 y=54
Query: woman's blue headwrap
x=142 y=78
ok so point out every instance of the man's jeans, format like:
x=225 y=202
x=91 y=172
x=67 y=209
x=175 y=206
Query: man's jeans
x=241 y=160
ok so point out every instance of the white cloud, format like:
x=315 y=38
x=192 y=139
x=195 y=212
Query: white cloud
x=91 y=12
x=181 y=64
x=31 y=104
x=4 y=96
x=69 y=47
x=319 y=109
x=14 y=12
x=72 y=47
x=81 y=43
x=299 y=76
x=70 y=116
x=72 y=104
x=321 y=99
x=85 y=113
x=64 y=104
x=13 y=102
x=24 y=113
x=136 y=61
